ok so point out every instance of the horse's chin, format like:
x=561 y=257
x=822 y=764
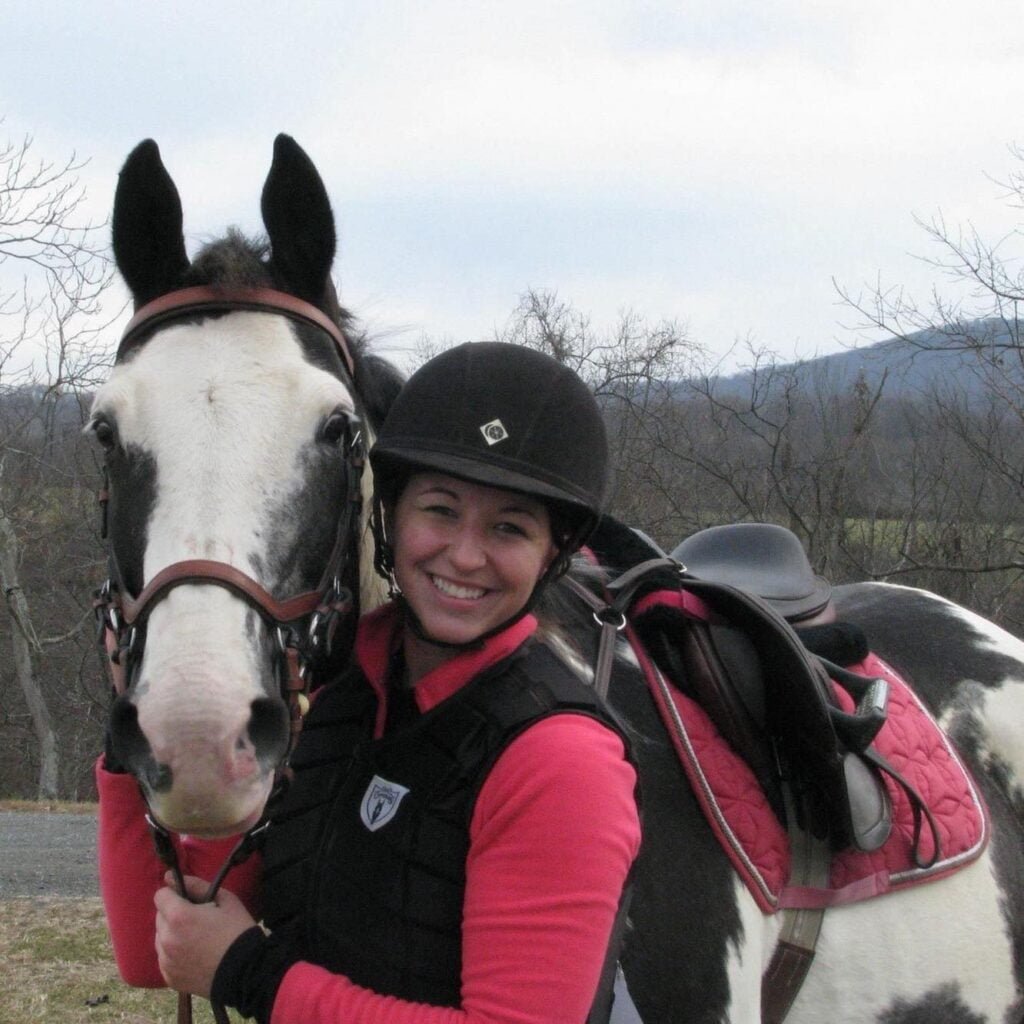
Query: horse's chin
x=238 y=828
x=209 y=819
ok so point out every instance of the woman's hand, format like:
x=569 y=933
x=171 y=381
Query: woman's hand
x=192 y=938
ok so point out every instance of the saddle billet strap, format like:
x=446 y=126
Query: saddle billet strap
x=798 y=939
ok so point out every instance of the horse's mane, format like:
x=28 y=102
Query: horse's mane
x=234 y=261
x=241 y=261
x=562 y=617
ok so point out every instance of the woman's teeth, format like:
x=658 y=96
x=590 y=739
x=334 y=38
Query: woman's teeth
x=453 y=590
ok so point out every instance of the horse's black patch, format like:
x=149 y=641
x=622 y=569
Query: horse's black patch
x=304 y=528
x=147 y=226
x=895 y=620
x=132 y=483
x=941 y=1006
x=234 y=261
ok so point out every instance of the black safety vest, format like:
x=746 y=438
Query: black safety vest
x=364 y=863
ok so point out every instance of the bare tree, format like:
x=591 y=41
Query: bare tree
x=634 y=369
x=54 y=273
x=973 y=313
x=780 y=443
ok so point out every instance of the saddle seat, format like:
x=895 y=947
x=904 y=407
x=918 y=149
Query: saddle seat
x=762 y=559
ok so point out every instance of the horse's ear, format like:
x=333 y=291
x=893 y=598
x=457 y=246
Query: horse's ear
x=300 y=225
x=149 y=247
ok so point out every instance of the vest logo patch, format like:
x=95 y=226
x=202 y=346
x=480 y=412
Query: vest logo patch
x=380 y=802
x=494 y=432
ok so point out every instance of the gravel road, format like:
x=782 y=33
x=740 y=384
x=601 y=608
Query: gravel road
x=47 y=854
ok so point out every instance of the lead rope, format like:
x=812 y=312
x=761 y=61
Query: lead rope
x=167 y=853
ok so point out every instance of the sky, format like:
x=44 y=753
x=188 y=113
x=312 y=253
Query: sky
x=720 y=164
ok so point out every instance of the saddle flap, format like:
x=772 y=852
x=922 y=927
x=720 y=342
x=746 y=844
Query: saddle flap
x=773 y=703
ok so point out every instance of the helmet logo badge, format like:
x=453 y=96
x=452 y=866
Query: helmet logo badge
x=494 y=431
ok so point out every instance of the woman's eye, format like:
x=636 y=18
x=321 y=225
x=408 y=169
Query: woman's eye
x=512 y=528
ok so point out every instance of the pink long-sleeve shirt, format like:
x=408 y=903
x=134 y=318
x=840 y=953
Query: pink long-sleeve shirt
x=554 y=831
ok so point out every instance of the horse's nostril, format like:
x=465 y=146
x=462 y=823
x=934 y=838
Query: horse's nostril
x=268 y=730
x=157 y=777
x=132 y=749
x=129 y=744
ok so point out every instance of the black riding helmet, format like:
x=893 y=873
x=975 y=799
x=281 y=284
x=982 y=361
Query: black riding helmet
x=504 y=416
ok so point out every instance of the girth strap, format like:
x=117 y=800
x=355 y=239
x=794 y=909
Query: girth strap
x=794 y=952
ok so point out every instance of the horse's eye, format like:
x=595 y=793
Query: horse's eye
x=104 y=432
x=334 y=428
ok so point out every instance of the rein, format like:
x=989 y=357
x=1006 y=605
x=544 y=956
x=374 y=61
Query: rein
x=303 y=625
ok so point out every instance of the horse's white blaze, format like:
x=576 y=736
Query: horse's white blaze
x=226 y=411
x=957 y=932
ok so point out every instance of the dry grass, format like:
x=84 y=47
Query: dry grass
x=53 y=807
x=56 y=966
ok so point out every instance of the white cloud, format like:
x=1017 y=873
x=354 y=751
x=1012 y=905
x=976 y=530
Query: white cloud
x=744 y=154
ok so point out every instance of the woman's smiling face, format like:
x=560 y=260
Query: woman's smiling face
x=467 y=556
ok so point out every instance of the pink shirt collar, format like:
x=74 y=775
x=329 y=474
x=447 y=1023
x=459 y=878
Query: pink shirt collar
x=378 y=637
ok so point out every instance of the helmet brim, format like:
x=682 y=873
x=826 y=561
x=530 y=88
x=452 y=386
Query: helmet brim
x=474 y=471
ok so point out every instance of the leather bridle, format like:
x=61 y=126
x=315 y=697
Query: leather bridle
x=123 y=616
x=303 y=625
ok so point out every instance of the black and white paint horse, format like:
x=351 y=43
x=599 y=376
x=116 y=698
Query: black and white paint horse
x=224 y=432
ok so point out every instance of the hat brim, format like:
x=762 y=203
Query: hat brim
x=489 y=474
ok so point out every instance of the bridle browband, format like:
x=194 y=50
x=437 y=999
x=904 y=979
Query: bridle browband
x=209 y=299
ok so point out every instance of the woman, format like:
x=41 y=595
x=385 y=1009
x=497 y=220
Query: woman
x=457 y=840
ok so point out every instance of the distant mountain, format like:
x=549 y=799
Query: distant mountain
x=915 y=364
